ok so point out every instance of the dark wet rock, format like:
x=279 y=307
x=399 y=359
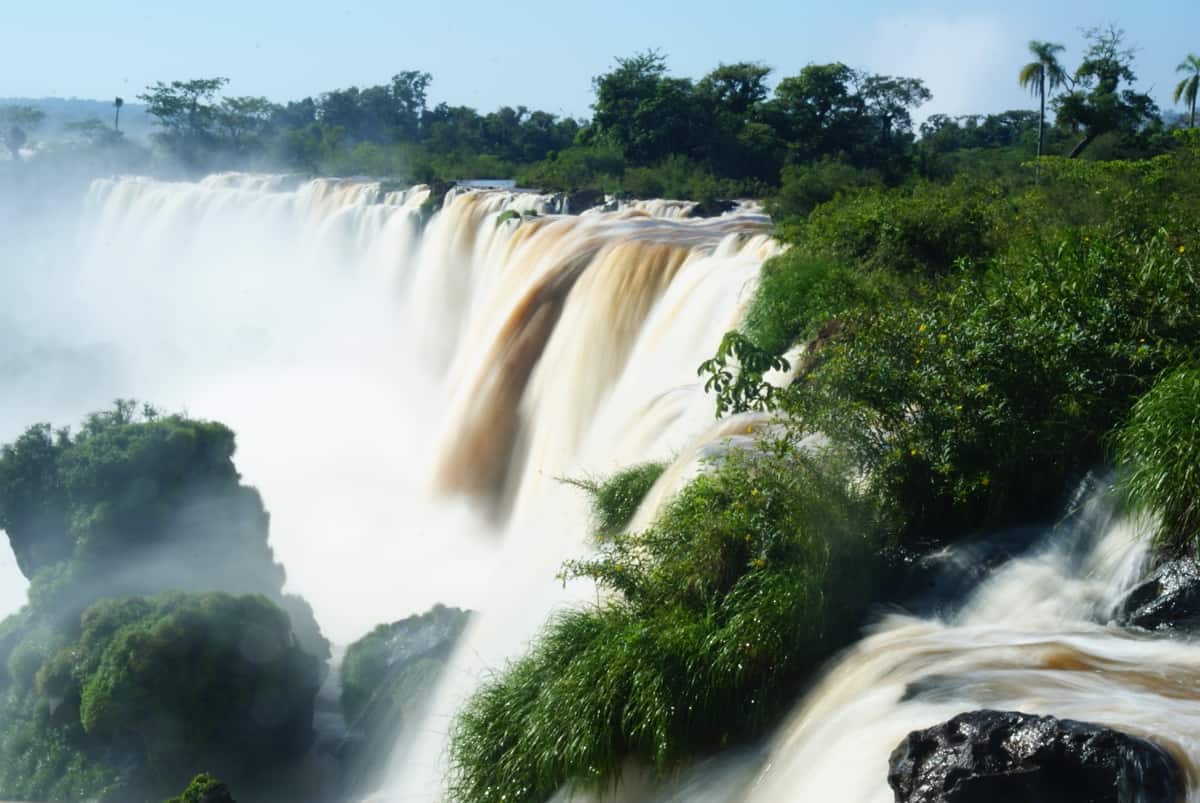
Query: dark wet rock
x=712 y=208
x=1169 y=599
x=932 y=580
x=437 y=194
x=1009 y=757
x=582 y=200
x=216 y=794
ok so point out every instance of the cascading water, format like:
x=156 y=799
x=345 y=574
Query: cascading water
x=407 y=393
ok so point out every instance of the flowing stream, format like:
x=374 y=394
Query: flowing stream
x=408 y=392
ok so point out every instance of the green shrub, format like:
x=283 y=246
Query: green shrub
x=1159 y=449
x=735 y=375
x=924 y=229
x=798 y=292
x=749 y=579
x=147 y=691
x=204 y=788
x=978 y=406
x=805 y=187
x=616 y=499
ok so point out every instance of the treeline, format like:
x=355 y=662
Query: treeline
x=726 y=134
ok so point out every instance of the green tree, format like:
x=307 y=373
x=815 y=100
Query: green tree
x=118 y=102
x=819 y=111
x=890 y=101
x=1186 y=89
x=1099 y=105
x=186 y=113
x=15 y=124
x=243 y=120
x=408 y=94
x=645 y=113
x=735 y=89
x=1041 y=77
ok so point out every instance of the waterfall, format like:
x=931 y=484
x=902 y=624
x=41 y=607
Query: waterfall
x=1036 y=636
x=407 y=392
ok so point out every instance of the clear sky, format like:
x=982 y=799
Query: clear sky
x=493 y=52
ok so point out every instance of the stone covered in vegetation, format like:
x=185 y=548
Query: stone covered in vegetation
x=114 y=683
x=387 y=678
x=204 y=789
x=138 y=502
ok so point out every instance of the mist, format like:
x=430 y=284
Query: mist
x=275 y=331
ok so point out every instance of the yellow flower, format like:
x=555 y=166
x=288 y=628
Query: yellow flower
x=958 y=408
x=941 y=338
x=983 y=388
x=759 y=563
x=985 y=482
x=754 y=492
x=1182 y=248
x=913 y=452
x=922 y=328
x=749 y=430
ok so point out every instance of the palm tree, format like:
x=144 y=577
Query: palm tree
x=1186 y=89
x=118 y=103
x=1042 y=76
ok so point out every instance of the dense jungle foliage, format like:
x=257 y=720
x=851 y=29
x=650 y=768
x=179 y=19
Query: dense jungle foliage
x=157 y=641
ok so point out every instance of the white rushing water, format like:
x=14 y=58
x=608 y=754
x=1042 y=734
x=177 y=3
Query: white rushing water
x=407 y=394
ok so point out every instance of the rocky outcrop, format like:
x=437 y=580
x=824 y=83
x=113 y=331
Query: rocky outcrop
x=1169 y=599
x=1006 y=756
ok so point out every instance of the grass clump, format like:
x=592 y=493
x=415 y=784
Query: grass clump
x=616 y=499
x=749 y=579
x=204 y=788
x=1159 y=447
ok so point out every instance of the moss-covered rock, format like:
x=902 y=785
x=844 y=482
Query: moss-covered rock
x=386 y=678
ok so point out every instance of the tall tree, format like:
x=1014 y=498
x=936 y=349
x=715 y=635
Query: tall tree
x=1099 y=104
x=1186 y=89
x=117 y=104
x=243 y=120
x=186 y=113
x=1042 y=76
x=15 y=123
x=819 y=112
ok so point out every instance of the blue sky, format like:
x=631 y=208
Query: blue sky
x=486 y=54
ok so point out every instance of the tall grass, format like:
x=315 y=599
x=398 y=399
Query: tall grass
x=753 y=575
x=1159 y=448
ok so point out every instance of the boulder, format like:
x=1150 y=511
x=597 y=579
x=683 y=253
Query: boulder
x=1006 y=757
x=1169 y=599
x=582 y=200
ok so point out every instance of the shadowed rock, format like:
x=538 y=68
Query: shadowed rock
x=1169 y=599
x=1006 y=756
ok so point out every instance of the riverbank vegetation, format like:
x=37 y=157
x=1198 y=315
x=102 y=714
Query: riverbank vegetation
x=977 y=339
x=989 y=308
